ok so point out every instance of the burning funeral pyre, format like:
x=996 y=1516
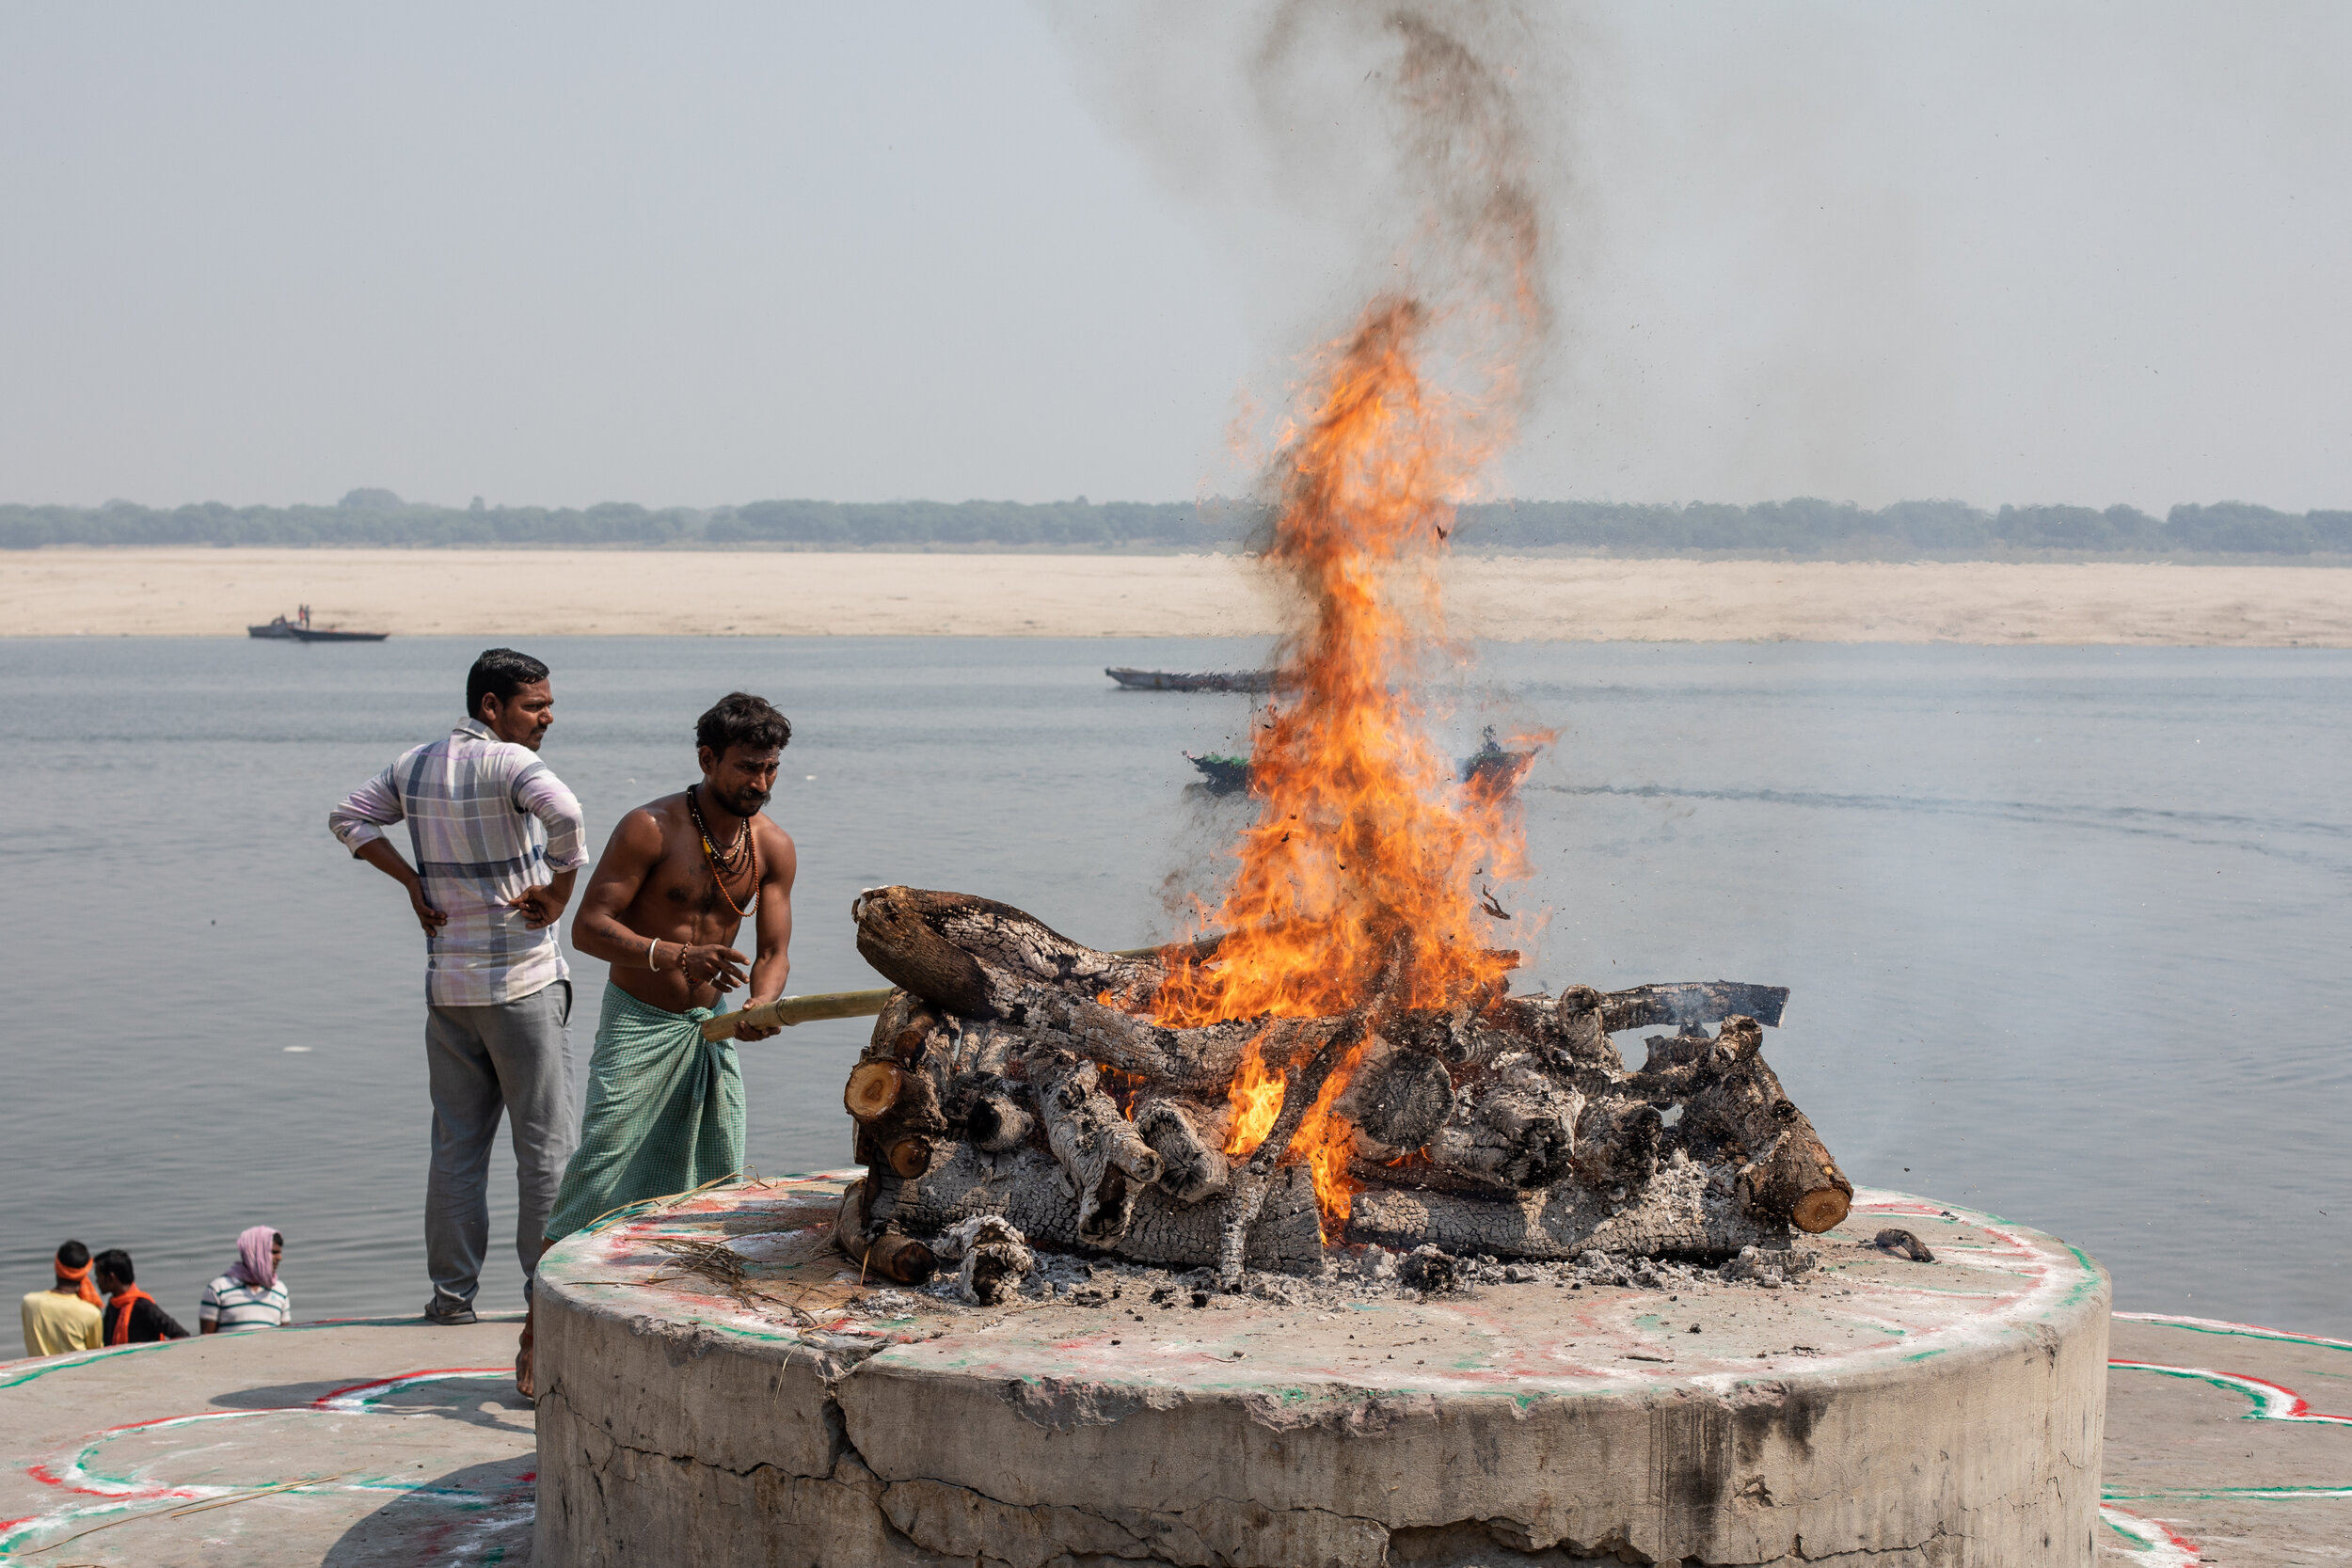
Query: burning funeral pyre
x=1019 y=1074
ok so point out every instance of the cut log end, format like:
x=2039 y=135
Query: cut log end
x=902 y=1259
x=908 y=1157
x=875 y=1086
x=892 y=1255
x=1819 y=1209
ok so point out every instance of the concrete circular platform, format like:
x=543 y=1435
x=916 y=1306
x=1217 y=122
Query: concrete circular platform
x=388 y=1443
x=1928 y=1413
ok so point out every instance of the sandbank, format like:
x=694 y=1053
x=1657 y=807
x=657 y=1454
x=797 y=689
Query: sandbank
x=216 y=593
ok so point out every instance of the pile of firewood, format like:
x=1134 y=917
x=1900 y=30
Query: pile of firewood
x=1017 y=1073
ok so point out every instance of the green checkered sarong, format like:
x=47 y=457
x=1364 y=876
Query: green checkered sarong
x=665 y=1112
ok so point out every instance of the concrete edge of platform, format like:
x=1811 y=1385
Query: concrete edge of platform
x=664 y=1422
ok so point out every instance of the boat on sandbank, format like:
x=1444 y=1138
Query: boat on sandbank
x=279 y=628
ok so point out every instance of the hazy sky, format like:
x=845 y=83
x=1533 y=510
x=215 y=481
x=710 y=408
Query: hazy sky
x=720 y=252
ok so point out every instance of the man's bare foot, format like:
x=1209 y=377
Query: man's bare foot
x=526 y=1380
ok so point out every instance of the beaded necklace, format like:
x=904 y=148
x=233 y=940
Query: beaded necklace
x=744 y=850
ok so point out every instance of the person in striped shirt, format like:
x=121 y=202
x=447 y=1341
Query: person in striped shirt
x=250 y=1295
x=497 y=840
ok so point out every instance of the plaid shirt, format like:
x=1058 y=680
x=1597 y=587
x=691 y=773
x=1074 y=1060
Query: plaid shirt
x=484 y=815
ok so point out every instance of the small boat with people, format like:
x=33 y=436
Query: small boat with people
x=1251 y=681
x=1222 y=775
x=299 y=630
x=1492 y=770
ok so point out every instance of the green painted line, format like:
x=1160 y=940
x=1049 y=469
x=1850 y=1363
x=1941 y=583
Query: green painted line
x=1922 y=1354
x=2218 y=1494
x=2243 y=1331
x=42 y=1367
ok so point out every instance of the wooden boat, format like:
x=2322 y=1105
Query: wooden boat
x=1222 y=775
x=1491 y=770
x=299 y=630
x=1179 y=680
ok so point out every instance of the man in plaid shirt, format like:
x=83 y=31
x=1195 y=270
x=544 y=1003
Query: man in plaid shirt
x=497 y=840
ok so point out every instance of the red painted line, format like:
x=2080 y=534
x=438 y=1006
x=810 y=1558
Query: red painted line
x=344 y=1393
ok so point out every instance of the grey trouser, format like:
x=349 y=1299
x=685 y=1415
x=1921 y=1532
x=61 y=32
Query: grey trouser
x=511 y=1056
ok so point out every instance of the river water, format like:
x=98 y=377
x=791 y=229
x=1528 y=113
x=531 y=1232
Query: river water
x=2066 y=928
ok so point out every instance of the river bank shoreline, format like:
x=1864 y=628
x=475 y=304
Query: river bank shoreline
x=541 y=593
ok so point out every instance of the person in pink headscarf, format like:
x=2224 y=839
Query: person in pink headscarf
x=250 y=1295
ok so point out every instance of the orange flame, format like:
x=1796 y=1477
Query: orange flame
x=1325 y=1138
x=1365 y=840
x=1256 y=1097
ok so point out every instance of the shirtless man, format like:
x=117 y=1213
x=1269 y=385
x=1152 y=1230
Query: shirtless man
x=665 y=1107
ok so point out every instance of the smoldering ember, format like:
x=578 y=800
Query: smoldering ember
x=1017 y=1073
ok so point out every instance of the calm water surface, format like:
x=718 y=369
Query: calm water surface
x=2066 y=928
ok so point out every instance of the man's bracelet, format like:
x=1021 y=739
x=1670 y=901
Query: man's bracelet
x=652 y=942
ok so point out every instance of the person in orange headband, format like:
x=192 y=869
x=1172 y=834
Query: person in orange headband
x=66 y=1316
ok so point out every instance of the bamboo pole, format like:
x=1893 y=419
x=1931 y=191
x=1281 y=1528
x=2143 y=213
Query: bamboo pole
x=785 y=1011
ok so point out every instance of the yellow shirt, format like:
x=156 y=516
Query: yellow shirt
x=55 y=1323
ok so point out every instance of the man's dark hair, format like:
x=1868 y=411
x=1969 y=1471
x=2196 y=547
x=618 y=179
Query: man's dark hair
x=115 y=1264
x=73 y=1255
x=740 y=719
x=499 y=672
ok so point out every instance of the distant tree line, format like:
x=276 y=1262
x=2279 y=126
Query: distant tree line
x=1810 y=527
x=1802 y=526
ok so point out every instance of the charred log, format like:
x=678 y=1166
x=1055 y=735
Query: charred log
x=1185 y=1137
x=1683 y=1212
x=1617 y=1141
x=1396 y=1102
x=874 y=1245
x=901 y=1153
x=992 y=1112
x=1789 y=1175
x=1513 y=1130
x=1099 y=1152
x=977 y=957
x=992 y=1258
x=1026 y=1188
